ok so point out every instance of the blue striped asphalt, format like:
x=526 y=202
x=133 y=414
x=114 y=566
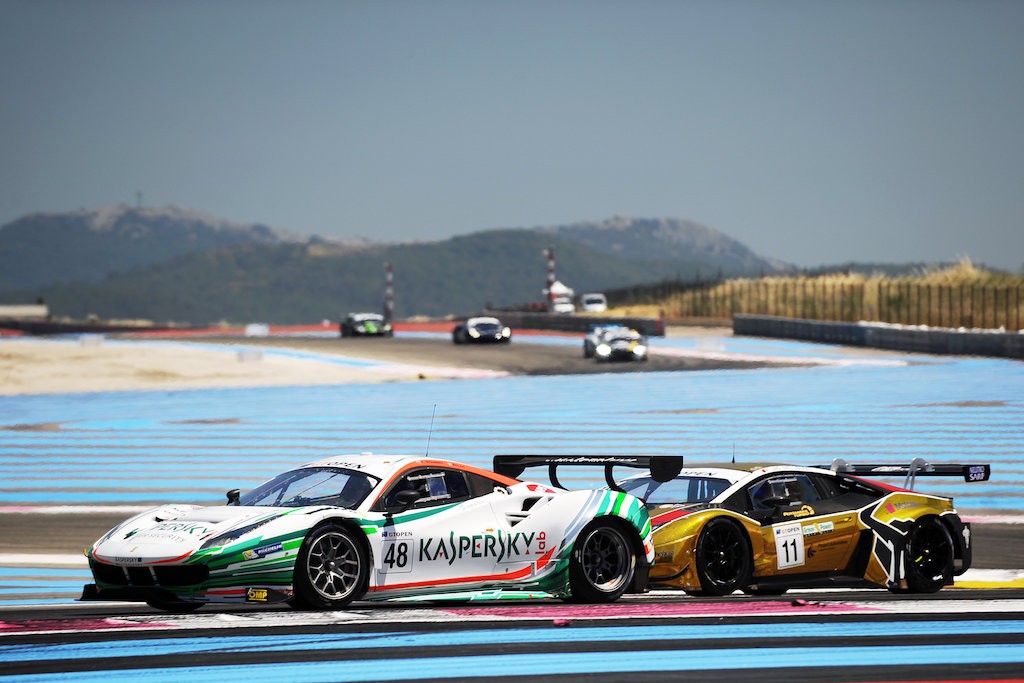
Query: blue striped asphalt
x=154 y=647
x=943 y=409
x=7 y=573
x=196 y=495
x=555 y=663
x=48 y=588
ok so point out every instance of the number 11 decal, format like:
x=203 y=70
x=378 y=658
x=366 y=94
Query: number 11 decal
x=789 y=545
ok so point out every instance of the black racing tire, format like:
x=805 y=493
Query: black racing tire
x=723 y=558
x=602 y=563
x=174 y=606
x=929 y=556
x=332 y=568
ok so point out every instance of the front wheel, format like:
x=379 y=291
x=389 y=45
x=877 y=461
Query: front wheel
x=331 y=569
x=602 y=563
x=929 y=556
x=723 y=558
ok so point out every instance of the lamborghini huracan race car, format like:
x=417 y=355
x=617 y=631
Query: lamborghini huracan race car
x=377 y=527
x=765 y=529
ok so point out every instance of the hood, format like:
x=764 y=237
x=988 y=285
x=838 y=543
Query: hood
x=172 y=533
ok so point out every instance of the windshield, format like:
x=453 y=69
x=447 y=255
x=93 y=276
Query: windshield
x=312 y=486
x=681 y=490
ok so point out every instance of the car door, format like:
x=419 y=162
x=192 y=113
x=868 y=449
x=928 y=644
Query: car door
x=805 y=529
x=442 y=540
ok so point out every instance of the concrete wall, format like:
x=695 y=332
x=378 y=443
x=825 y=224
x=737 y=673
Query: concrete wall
x=652 y=327
x=881 y=336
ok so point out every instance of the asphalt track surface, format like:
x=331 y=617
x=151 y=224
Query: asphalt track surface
x=514 y=358
x=957 y=634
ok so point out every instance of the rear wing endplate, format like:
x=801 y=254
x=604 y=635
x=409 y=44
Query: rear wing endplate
x=662 y=467
x=918 y=467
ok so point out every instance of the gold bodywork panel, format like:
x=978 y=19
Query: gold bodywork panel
x=798 y=541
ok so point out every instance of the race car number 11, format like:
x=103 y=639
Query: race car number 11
x=789 y=545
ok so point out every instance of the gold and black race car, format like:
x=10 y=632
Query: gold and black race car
x=765 y=529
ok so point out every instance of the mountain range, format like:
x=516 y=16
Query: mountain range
x=175 y=264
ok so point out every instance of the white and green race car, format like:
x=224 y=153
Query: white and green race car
x=376 y=527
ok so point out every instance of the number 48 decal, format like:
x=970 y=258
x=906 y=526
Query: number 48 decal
x=397 y=556
x=789 y=545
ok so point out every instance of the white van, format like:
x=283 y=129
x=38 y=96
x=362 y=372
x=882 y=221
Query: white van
x=594 y=302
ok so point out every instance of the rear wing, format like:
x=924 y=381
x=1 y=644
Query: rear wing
x=662 y=467
x=918 y=467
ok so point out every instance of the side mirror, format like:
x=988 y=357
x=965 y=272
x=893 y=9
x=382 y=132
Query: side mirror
x=233 y=497
x=407 y=498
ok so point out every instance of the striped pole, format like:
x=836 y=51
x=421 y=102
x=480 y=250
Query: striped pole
x=389 y=292
x=551 y=275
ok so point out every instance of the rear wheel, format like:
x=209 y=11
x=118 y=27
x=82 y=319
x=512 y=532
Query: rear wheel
x=331 y=570
x=929 y=556
x=602 y=564
x=723 y=558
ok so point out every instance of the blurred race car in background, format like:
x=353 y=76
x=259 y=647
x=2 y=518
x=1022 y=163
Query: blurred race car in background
x=378 y=527
x=482 y=330
x=366 y=325
x=765 y=529
x=615 y=342
x=593 y=302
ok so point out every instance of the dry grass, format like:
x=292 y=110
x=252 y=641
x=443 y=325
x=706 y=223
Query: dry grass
x=962 y=295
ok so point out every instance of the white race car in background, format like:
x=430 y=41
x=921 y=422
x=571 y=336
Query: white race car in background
x=615 y=342
x=378 y=527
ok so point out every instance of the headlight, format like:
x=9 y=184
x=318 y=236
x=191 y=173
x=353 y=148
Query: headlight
x=506 y=332
x=639 y=350
x=234 y=534
x=603 y=350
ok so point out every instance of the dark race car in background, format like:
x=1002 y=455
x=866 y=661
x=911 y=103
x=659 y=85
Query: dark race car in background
x=366 y=325
x=482 y=330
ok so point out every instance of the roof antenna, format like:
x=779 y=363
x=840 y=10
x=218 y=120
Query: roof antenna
x=733 y=452
x=431 y=430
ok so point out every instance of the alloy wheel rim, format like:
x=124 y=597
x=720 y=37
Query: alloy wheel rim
x=605 y=560
x=333 y=566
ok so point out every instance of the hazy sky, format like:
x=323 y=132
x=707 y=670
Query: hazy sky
x=815 y=131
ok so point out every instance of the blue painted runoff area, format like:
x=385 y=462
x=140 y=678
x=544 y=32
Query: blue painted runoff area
x=554 y=663
x=153 y=647
x=144 y=447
